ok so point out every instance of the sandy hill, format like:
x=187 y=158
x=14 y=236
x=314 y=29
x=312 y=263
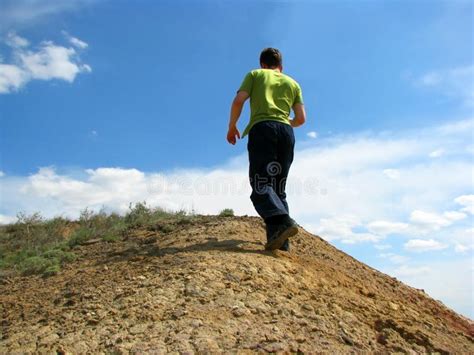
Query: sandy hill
x=209 y=287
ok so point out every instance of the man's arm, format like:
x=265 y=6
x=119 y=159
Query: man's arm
x=300 y=115
x=235 y=111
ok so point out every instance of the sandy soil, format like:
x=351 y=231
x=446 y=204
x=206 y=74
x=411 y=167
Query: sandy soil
x=209 y=287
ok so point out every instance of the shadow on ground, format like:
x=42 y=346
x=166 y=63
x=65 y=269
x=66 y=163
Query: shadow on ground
x=212 y=244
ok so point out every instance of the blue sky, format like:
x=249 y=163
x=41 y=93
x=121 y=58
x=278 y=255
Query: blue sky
x=105 y=102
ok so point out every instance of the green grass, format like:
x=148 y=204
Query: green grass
x=34 y=245
x=226 y=212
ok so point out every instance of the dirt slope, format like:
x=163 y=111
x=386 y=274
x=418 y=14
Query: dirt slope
x=208 y=286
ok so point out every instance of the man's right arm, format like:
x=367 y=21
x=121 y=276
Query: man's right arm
x=300 y=115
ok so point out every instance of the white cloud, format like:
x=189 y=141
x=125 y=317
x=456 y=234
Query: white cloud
x=454 y=216
x=7 y=219
x=385 y=228
x=453 y=82
x=342 y=228
x=436 y=153
x=430 y=79
x=421 y=245
x=85 y=68
x=2 y=174
x=110 y=187
x=392 y=173
x=51 y=62
x=467 y=201
x=312 y=134
x=24 y=13
x=421 y=223
x=357 y=237
x=455 y=128
x=382 y=246
x=338 y=227
x=462 y=234
x=408 y=271
x=15 y=41
x=76 y=42
x=394 y=258
x=430 y=220
x=460 y=248
x=11 y=78
x=47 y=62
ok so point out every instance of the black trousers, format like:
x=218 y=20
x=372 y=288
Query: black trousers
x=270 y=147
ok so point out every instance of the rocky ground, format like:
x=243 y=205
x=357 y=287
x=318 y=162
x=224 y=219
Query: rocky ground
x=209 y=287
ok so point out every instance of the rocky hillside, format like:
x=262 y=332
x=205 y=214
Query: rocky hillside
x=208 y=287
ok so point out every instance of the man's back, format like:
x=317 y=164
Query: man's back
x=272 y=95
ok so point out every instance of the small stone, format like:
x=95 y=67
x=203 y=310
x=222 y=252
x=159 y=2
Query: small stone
x=193 y=291
x=196 y=323
x=207 y=346
x=273 y=347
x=393 y=306
x=93 y=321
x=80 y=347
x=308 y=307
x=44 y=331
x=271 y=337
x=62 y=351
x=240 y=311
x=49 y=339
x=179 y=313
x=367 y=293
x=303 y=322
x=337 y=309
x=346 y=337
x=300 y=339
x=138 y=329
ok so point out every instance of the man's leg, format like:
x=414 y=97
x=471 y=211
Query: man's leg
x=286 y=143
x=263 y=149
x=285 y=151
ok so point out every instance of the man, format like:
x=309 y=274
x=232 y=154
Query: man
x=271 y=141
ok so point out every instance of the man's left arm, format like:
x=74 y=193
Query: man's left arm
x=235 y=111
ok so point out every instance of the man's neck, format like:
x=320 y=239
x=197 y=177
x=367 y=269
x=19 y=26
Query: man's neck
x=277 y=69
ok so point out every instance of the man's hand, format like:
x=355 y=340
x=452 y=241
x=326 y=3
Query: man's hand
x=235 y=111
x=233 y=134
x=300 y=115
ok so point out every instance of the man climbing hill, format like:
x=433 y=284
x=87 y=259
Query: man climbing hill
x=271 y=141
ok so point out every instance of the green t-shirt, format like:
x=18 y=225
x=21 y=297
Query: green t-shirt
x=272 y=95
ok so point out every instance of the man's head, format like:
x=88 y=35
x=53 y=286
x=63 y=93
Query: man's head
x=271 y=58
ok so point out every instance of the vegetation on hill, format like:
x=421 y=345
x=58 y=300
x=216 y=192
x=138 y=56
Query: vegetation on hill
x=34 y=245
x=226 y=212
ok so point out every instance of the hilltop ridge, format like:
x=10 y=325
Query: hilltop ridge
x=207 y=286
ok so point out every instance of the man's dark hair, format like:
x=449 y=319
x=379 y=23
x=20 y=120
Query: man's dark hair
x=271 y=57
